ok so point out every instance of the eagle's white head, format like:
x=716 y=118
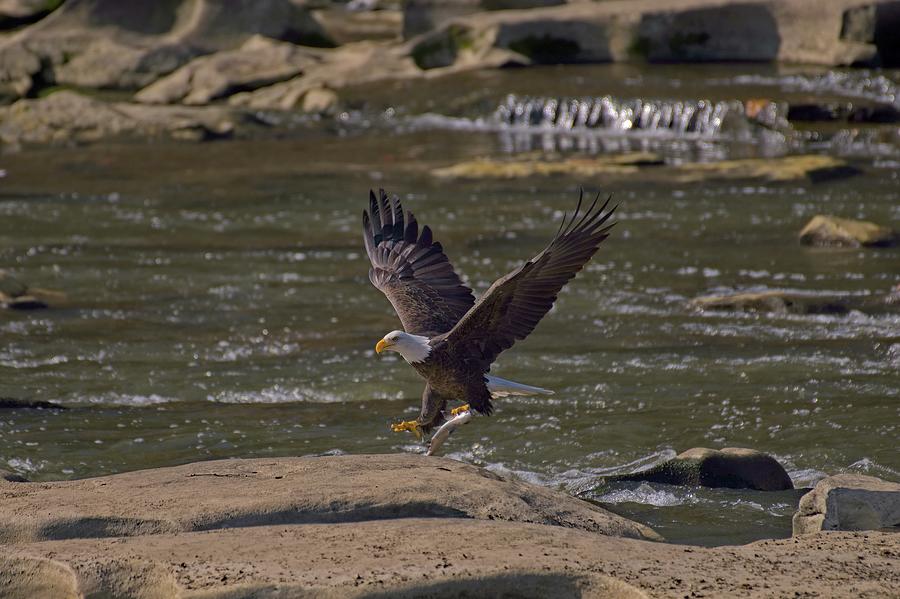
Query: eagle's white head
x=413 y=348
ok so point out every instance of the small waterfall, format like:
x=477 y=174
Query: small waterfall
x=699 y=118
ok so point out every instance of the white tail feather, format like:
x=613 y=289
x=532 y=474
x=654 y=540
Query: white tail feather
x=504 y=388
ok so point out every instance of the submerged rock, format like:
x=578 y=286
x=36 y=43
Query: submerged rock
x=813 y=167
x=776 y=300
x=780 y=301
x=609 y=165
x=9 y=403
x=826 y=230
x=731 y=467
x=15 y=295
x=849 y=502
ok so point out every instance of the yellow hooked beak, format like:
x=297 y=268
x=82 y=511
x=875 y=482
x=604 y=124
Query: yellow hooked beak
x=381 y=345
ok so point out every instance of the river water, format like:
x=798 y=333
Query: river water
x=218 y=304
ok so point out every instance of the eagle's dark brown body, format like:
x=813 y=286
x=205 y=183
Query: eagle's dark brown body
x=465 y=336
x=450 y=377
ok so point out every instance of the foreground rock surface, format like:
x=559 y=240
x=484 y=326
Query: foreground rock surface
x=235 y=493
x=825 y=230
x=849 y=502
x=382 y=526
x=731 y=467
x=443 y=557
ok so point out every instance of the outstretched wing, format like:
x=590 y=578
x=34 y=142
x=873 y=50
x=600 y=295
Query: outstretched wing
x=411 y=269
x=514 y=304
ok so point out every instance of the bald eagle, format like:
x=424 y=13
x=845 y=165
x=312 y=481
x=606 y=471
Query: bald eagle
x=448 y=338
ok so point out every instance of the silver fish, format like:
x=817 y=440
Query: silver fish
x=448 y=427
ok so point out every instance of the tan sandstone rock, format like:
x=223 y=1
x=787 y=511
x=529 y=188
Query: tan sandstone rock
x=66 y=117
x=824 y=230
x=849 y=502
x=233 y=493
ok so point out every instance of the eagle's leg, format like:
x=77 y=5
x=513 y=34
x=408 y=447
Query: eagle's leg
x=460 y=410
x=409 y=425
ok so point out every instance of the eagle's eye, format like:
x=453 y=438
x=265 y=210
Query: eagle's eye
x=395 y=338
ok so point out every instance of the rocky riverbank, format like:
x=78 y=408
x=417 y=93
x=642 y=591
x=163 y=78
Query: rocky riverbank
x=283 y=55
x=389 y=525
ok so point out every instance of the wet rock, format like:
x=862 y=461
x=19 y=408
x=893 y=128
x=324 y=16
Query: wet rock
x=11 y=286
x=608 y=165
x=731 y=467
x=816 y=168
x=776 y=301
x=15 y=295
x=12 y=477
x=67 y=117
x=825 y=230
x=96 y=43
x=779 y=301
x=9 y=403
x=824 y=112
x=849 y=502
x=292 y=491
x=257 y=63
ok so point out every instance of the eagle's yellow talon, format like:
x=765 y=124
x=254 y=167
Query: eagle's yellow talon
x=459 y=410
x=409 y=425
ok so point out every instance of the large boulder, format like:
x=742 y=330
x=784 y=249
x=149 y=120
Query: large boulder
x=257 y=63
x=825 y=230
x=849 y=502
x=236 y=493
x=731 y=467
x=106 y=44
x=803 y=31
x=67 y=117
x=352 y=64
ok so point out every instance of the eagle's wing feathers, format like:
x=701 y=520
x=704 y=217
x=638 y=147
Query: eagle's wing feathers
x=514 y=304
x=411 y=269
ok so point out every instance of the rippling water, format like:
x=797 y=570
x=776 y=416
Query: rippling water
x=218 y=307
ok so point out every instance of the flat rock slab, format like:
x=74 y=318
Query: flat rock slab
x=241 y=493
x=849 y=502
x=443 y=557
x=815 y=168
